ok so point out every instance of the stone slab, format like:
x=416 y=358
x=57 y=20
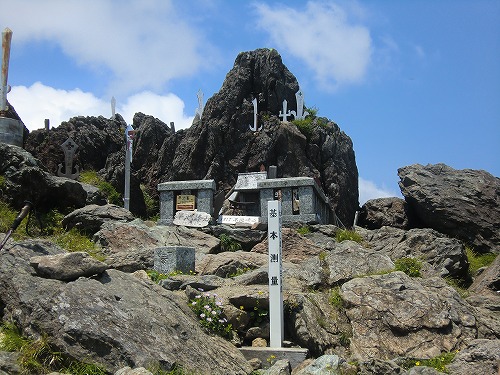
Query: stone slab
x=194 y=219
x=248 y=181
x=279 y=183
x=168 y=259
x=267 y=355
x=187 y=185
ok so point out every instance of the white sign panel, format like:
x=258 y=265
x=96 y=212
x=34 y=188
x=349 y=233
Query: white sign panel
x=275 y=273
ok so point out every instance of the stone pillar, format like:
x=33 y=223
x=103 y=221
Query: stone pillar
x=205 y=201
x=265 y=196
x=166 y=207
x=286 y=201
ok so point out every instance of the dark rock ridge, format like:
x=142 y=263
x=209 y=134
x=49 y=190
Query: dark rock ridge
x=464 y=204
x=219 y=146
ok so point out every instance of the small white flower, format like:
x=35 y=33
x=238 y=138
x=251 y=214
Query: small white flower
x=214 y=312
x=209 y=319
x=202 y=315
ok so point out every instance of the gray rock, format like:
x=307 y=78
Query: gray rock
x=446 y=255
x=326 y=364
x=129 y=246
x=112 y=320
x=313 y=323
x=280 y=367
x=379 y=367
x=136 y=371
x=479 y=357
x=89 y=219
x=67 y=267
x=248 y=238
x=231 y=263
x=462 y=203
x=28 y=179
x=394 y=315
x=9 y=363
x=489 y=280
x=380 y=212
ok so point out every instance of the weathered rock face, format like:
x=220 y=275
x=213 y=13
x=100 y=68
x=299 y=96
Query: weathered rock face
x=113 y=319
x=462 y=203
x=26 y=178
x=394 y=315
x=392 y=212
x=96 y=137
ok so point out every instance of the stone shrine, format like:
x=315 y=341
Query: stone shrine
x=185 y=195
x=302 y=199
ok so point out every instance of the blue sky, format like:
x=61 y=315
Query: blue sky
x=409 y=81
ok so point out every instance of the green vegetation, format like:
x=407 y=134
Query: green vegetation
x=303 y=230
x=40 y=356
x=152 y=206
x=156 y=277
x=477 y=261
x=92 y=178
x=240 y=271
x=410 y=266
x=48 y=225
x=459 y=285
x=335 y=299
x=439 y=363
x=345 y=234
x=210 y=313
x=228 y=244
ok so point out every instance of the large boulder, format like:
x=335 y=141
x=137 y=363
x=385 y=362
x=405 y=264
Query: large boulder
x=393 y=315
x=462 y=203
x=380 y=212
x=26 y=178
x=446 y=256
x=113 y=319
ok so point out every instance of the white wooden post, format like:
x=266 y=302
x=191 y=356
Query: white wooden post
x=275 y=271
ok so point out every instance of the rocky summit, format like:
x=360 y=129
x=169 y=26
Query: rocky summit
x=413 y=288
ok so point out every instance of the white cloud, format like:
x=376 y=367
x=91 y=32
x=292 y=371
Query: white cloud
x=168 y=108
x=324 y=37
x=144 y=44
x=368 y=190
x=38 y=102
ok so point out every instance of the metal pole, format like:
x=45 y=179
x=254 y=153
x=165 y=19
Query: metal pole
x=126 y=197
x=129 y=139
x=6 y=38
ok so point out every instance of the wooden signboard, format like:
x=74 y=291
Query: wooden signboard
x=185 y=202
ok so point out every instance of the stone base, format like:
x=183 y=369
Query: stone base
x=268 y=356
x=174 y=258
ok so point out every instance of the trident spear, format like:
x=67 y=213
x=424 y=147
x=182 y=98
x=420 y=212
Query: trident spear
x=22 y=214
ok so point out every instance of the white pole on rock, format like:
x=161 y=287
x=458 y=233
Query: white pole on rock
x=275 y=271
x=4 y=88
x=129 y=136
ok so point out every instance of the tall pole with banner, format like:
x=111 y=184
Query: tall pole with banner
x=275 y=274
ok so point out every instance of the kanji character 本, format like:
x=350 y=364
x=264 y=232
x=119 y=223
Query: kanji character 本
x=273 y=235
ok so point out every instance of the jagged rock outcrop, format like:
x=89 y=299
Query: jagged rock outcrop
x=218 y=146
x=480 y=357
x=445 y=255
x=26 y=178
x=464 y=204
x=380 y=212
x=221 y=144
